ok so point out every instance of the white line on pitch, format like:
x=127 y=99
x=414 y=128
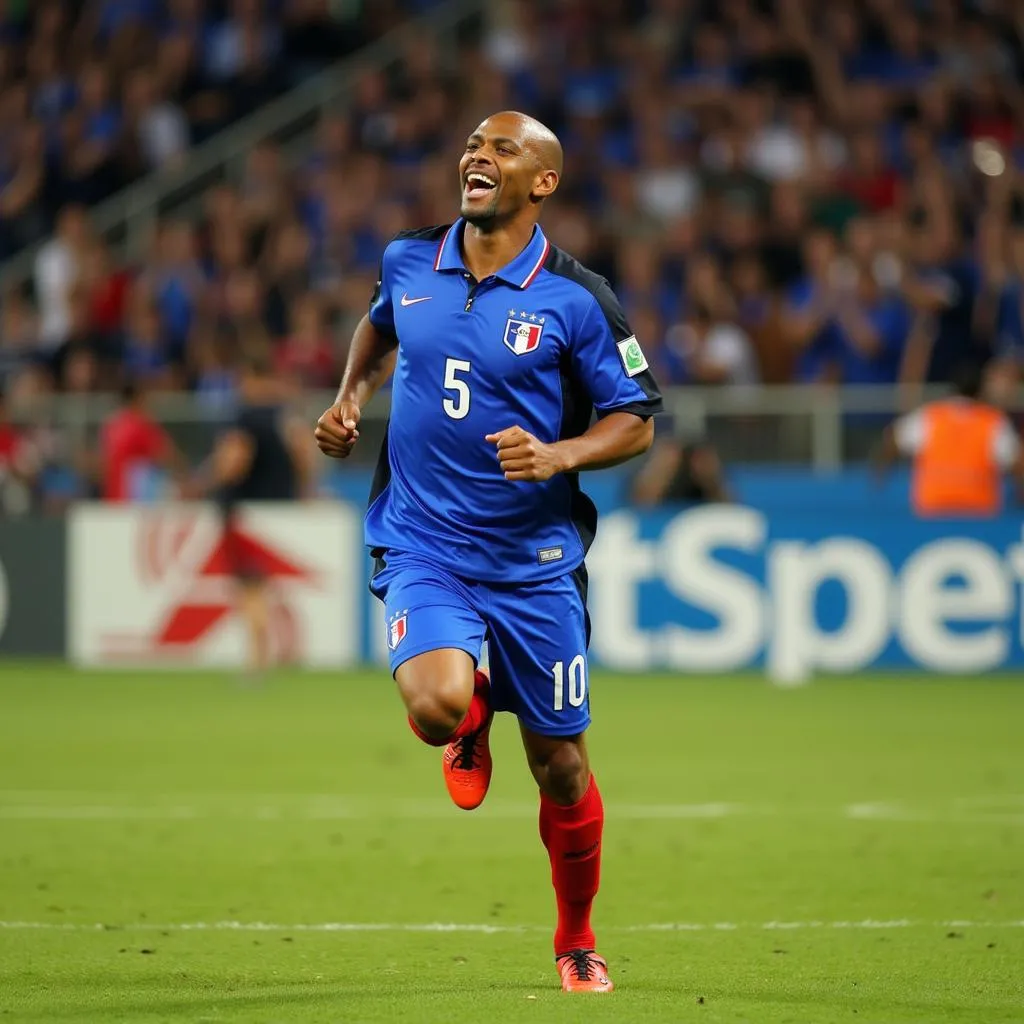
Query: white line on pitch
x=327 y=809
x=43 y=806
x=868 y=924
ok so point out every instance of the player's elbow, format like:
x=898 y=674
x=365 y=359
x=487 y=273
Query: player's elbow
x=644 y=437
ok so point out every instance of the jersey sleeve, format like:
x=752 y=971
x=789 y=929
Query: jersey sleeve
x=910 y=432
x=608 y=360
x=1005 y=446
x=382 y=313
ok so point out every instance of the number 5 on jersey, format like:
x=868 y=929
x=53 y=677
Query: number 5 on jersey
x=458 y=407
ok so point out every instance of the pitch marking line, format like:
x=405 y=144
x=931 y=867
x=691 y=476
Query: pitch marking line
x=492 y=929
x=43 y=806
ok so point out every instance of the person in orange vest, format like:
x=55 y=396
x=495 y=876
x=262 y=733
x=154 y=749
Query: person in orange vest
x=960 y=447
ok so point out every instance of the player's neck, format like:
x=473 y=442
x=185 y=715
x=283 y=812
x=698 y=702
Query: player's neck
x=485 y=252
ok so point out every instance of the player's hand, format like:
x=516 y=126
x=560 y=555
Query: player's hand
x=337 y=430
x=523 y=457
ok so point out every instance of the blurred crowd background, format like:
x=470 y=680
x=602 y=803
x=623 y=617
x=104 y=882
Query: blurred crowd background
x=779 y=190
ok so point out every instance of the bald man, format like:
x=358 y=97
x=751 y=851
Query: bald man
x=502 y=347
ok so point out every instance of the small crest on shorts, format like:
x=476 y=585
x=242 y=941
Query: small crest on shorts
x=522 y=333
x=398 y=626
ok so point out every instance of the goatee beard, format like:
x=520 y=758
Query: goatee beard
x=485 y=220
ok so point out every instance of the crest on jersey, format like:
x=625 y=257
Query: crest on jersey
x=522 y=333
x=398 y=626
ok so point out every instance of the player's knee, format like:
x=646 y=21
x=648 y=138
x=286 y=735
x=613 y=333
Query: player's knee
x=437 y=710
x=565 y=773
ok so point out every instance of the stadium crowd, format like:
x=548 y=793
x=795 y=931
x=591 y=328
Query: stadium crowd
x=778 y=190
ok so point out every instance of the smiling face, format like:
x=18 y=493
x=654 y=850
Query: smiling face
x=511 y=164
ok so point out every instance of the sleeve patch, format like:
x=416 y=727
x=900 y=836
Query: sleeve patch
x=632 y=355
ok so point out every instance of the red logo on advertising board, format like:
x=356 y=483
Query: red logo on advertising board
x=207 y=597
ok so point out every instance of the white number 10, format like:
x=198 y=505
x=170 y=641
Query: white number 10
x=577 y=682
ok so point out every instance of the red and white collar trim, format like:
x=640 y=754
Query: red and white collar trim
x=537 y=266
x=440 y=248
x=530 y=277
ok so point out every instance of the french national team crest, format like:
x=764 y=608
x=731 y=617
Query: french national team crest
x=398 y=626
x=522 y=332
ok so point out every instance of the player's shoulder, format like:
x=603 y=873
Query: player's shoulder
x=569 y=269
x=582 y=283
x=413 y=239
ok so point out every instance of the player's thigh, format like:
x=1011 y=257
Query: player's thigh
x=434 y=632
x=537 y=640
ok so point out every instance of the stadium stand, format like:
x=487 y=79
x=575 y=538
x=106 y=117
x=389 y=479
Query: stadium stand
x=779 y=191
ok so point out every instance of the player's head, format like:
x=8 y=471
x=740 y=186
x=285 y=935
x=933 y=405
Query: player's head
x=256 y=362
x=512 y=163
x=131 y=393
x=967 y=380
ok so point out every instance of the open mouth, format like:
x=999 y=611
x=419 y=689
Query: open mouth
x=478 y=185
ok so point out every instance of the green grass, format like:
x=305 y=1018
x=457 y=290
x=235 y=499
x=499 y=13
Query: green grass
x=136 y=802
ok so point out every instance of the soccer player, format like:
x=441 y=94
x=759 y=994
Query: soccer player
x=502 y=348
x=263 y=456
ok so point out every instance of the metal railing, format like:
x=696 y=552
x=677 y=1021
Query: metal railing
x=820 y=427
x=128 y=218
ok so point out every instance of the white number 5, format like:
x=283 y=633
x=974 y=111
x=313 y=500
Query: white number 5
x=457 y=408
x=577 y=682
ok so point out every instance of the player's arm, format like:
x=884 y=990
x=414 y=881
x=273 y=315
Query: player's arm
x=229 y=462
x=371 y=360
x=608 y=361
x=617 y=438
x=902 y=439
x=296 y=439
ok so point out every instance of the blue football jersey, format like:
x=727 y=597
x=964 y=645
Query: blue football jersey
x=541 y=344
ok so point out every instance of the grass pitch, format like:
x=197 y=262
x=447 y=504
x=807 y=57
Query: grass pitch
x=178 y=848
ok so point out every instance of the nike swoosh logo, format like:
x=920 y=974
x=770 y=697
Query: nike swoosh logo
x=406 y=301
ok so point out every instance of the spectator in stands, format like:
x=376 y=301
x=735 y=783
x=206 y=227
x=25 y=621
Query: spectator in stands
x=212 y=364
x=807 y=320
x=680 y=471
x=286 y=269
x=156 y=129
x=717 y=157
x=57 y=268
x=871 y=326
x=147 y=356
x=18 y=342
x=307 y=357
x=175 y=280
x=713 y=351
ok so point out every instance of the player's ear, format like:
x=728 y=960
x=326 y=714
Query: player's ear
x=545 y=183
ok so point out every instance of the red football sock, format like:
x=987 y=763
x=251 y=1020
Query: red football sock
x=477 y=715
x=572 y=836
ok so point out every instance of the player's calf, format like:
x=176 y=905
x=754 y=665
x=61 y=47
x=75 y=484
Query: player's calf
x=560 y=766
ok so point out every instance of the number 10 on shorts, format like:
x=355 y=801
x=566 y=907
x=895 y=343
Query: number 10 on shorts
x=577 y=682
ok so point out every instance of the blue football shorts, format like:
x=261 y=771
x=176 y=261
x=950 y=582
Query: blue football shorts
x=537 y=634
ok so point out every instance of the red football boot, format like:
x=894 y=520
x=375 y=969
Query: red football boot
x=582 y=970
x=467 y=760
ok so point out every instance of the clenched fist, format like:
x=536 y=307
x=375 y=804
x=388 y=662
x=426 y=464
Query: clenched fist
x=336 y=431
x=523 y=457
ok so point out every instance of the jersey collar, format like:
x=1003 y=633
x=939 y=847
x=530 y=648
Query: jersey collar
x=519 y=273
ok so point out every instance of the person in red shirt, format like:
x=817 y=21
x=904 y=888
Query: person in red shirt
x=130 y=441
x=17 y=466
x=10 y=439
